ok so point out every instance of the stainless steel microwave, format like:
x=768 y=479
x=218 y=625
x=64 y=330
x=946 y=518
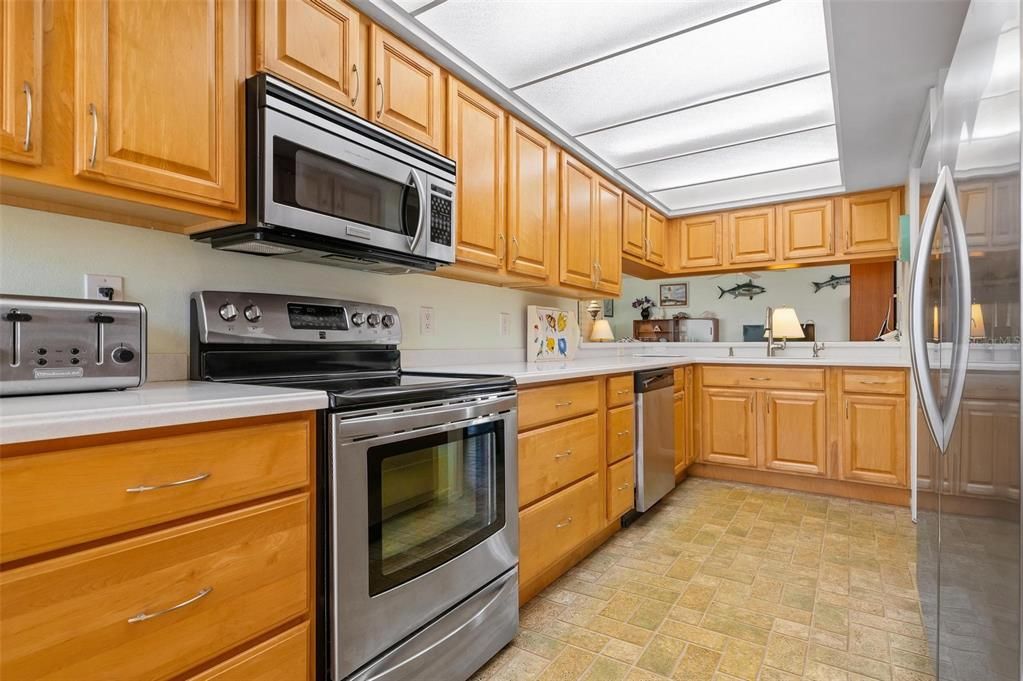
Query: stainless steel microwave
x=326 y=186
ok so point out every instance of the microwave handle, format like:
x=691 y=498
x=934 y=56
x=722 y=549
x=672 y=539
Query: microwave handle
x=414 y=241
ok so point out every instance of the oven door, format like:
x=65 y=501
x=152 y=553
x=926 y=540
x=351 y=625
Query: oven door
x=424 y=512
x=322 y=181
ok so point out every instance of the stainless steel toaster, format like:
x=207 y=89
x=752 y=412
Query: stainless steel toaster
x=63 y=345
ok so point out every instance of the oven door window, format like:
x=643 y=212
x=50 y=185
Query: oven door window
x=431 y=499
x=306 y=179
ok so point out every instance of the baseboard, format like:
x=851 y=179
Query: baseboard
x=800 y=483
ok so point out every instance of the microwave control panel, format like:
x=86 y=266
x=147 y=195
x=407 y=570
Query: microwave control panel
x=440 y=215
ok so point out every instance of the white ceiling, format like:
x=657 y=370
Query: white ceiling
x=711 y=103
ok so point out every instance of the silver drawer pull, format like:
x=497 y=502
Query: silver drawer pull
x=178 y=483
x=562 y=455
x=623 y=433
x=622 y=392
x=870 y=382
x=143 y=616
x=564 y=523
x=758 y=378
x=567 y=403
x=623 y=486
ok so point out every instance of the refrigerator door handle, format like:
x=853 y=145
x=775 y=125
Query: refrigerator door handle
x=940 y=421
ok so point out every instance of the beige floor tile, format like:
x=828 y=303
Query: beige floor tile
x=661 y=654
x=742 y=659
x=568 y=666
x=697 y=664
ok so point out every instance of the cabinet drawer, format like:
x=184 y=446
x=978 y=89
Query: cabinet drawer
x=53 y=499
x=80 y=616
x=555 y=456
x=620 y=390
x=621 y=484
x=621 y=433
x=763 y=377
x=880 y=381
x=285 y=657
x=556 y=402
x=550 y=529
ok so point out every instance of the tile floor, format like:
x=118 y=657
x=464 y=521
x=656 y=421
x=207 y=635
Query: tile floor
x=724 y=581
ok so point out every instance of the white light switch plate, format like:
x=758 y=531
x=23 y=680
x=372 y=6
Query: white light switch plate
x=95 y=282
x=504 y=323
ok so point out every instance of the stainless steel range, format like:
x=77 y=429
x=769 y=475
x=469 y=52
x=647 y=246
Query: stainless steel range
x=417 y=477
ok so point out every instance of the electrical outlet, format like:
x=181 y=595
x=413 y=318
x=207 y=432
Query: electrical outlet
x=426 y=321
x=504 y=323
x=104 y=287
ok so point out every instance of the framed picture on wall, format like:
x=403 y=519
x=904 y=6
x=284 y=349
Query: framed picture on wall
x=609 y=309
x=674 y=295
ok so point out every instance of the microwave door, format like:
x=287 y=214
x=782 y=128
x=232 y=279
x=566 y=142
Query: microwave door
x=319 y=182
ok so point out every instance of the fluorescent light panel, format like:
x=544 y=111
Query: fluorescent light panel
x=766 y=45
x=801 y=148
x=777 y=183
x=411 y=5
x=517 y=41
x=773 y=111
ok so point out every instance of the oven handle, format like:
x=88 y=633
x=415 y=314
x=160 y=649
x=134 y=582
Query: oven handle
x=407 y=424
x=414 y=242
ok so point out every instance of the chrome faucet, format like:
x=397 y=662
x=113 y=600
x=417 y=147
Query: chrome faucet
x=768 y=327
x=817 y=347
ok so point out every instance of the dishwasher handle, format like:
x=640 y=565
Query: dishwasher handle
x=653 y=379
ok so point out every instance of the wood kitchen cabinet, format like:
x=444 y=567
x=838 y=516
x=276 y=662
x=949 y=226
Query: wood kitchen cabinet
x=682 y=409
x=874 y=439
x=21 y=81
x=609 y=238
x=476 y=142
x=729 y=426
x=795 y=431
x=634 y=225
x=133 y=64
x=407 y=90
x=317 y=45
x=807 y=229
x=657 y=238
x=869 y=222
x=700 y=241
x=751 y=235
x=578 y=242
x=532 y=202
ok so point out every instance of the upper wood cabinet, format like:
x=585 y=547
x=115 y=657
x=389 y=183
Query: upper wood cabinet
x=21 y=80
x=476 y=142
x=316 y=45
x=795 y=431
x=869 y=222
x=728 y=432
x=700 y=241
x=873 y=437
x=407 y=90
x=532 y=201
x=578 y=245
x=807 y=229
x=609 y=237
x=634 y=239
x=657 y=237
x=158 y=89
x=751 y=235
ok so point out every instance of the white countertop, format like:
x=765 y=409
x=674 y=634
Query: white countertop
x=44 y=417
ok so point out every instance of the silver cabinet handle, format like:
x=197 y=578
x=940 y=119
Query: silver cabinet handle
x=95 y=134
x=355 y=72
x=871 y=382
x=143 y=616
x=562 y=455
x=564 y=523
x=646 y=247
x=28 y=115
x=623 y=391
x=501 y=249
x=600 y=272
x=593 y=274
x=177 y=483
x=759 y=378
x=567 y=403
x=623 y=433
x=623 y=486
x=515 y=253
x=380 y=106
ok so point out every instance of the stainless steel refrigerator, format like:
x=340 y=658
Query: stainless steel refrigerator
x=965 y=347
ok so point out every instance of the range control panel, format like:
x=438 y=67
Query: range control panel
x=58 y=345
x=237 y=317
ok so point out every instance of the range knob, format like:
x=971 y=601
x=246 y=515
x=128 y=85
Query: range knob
x=388 y=321
x=373 y=319
x=253 y=313
x=122 y=355
x=358 y=319
x=228 y=312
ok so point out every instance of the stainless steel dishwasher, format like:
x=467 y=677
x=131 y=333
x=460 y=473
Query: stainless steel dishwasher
x=655 y=436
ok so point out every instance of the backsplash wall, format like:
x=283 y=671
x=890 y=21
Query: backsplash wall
x=48 y=254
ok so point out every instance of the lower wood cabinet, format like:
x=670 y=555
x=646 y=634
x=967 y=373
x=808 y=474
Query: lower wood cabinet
x=729 y=426
x=874 y=439
x=553 y=527
x=282 y=658
x=555 y=456
x=795 y=431
x=621 y=434
x=621 y=487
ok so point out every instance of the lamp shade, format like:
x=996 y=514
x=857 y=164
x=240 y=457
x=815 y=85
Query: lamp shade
x=977 y=329
x=602 y=331
x=785 y=323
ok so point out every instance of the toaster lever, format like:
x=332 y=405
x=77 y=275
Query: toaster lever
x=100 y=320
x=16 y=317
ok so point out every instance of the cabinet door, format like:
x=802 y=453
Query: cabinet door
x=285 y=656
x=634 y=227
x=408 y=90
x=656 y=236
x=700 y=241
x=795 y=437
x=21 y=80
x=807 y=229
x=157 y=96
x=577 y=254
x=870 y=221
x=874 y=439
x=532 y=201
x=476 y=143
x=316 y=45
x=975 y=205
x=751 y=235
x=609 y=237
x=681 y=455
x=989 y=460
x=728 y=433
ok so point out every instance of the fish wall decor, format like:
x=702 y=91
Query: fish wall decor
x=832 y=282
x=745 y=290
